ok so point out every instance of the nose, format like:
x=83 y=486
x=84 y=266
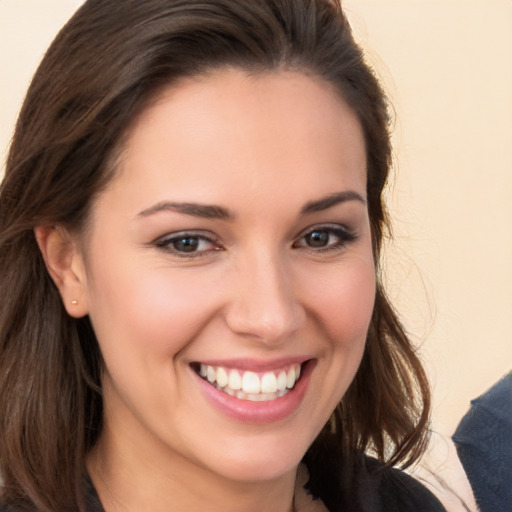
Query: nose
x=264 y=303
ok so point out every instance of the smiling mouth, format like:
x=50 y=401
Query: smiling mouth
x=248 y=385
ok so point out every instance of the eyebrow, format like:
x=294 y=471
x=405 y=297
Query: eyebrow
x=211 y=211
x=205 y=211
x=330 y=201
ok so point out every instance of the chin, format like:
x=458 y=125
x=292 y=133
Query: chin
x=259 y=460
x=260 y=470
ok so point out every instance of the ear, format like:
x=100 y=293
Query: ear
x=65 y=265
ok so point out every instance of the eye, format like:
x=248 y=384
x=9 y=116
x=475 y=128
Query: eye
x=325 y=238
x=187 y=244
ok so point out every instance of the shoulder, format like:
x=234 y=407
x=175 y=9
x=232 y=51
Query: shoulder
x=372 y=487
x=393 y=489
x=484 y=440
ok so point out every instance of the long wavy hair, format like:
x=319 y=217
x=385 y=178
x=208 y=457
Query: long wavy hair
x=100 y=72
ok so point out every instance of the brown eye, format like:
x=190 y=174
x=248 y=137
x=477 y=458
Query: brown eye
x=318 y=238
x=186 y=244
x=325 y=238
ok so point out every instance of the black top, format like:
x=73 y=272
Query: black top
x=381 y=489
x=396 y=491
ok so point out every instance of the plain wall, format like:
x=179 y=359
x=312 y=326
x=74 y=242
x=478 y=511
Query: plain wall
x=447 y=66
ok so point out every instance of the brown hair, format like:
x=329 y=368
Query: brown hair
x=101 y=70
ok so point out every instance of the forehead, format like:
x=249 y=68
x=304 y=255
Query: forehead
x=230 y=130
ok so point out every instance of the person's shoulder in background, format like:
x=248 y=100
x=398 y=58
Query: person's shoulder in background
x=484 y=444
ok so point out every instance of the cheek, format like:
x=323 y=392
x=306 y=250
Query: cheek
x=151 y=312
x=344 y=300
x=341 y=301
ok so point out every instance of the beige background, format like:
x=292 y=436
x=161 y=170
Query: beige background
x=447 y=66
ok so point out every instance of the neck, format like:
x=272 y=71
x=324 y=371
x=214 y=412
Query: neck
x=131 y=481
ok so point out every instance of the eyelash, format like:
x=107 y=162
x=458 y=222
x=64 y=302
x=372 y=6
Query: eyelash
x=167 y=243
x=343 y=236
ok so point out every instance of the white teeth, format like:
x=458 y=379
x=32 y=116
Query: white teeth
x=235 y=381
x=249 y=385
x=222 y=377
x=211 y=374
x=281 y=381
x=290 y=378
x=268 y=383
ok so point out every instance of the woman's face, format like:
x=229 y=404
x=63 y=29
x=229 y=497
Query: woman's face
x=232 y=249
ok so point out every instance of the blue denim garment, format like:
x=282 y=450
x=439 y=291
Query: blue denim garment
x=484 y=445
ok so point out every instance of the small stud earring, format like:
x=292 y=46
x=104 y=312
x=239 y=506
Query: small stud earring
x=74 y=302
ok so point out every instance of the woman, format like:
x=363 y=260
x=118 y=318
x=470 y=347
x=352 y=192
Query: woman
x=192 y=316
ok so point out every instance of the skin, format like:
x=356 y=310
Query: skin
x=262 y=147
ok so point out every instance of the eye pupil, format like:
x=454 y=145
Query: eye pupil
x=317 y=238
x=186 y=244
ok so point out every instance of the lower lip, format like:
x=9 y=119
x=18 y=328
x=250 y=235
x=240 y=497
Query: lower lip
x=269 y=411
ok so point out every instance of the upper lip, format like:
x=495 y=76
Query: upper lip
x=255 y=365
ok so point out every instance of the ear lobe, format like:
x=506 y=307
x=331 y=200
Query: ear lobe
x=64 y=263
